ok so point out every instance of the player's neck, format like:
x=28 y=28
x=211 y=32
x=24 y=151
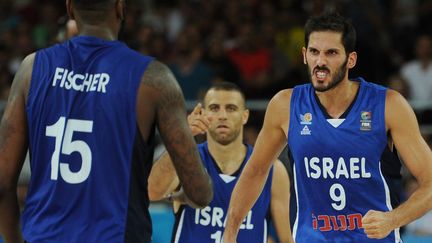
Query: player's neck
x=228 y=157
x=338 y=99
x=98 y=31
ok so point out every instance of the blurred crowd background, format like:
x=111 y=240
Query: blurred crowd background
x=254 y=43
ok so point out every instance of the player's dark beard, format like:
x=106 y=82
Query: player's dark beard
x=337 y=77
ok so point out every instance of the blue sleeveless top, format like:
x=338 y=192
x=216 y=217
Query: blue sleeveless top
x=84 y=151
x=338 y=167
x=207 y=224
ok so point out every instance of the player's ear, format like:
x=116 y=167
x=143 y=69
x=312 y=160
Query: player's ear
x=245 y=116
x=120 y=9
x=352 y=59
x=69 y=9
x=304 y=55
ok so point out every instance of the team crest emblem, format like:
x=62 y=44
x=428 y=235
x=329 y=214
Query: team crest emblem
x=366 y=121
x=306 y=119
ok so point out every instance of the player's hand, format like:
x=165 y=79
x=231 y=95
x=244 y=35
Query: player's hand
x=377 y=225
x=198 y=122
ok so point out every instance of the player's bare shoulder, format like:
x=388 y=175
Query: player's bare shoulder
x=396 y=108
x=278 y=110
x=159 y=99
x=21 y=82
x=283 y=97
x=280 y=103
x=161 y=80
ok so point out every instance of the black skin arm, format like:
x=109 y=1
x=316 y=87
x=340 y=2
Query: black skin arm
x=160 y=100
x=13 y=148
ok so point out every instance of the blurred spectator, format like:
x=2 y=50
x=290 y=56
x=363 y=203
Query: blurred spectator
x=165 y=17
x=193 y=75
x=290 y=40
x=216 y=58
x=377 y=58
x=425 y=13
x=398 y=83
x=404 y=24
x=418 y=72
x=144 y=38
x=45 y=31
x=68 y=30
x=252 y=59
x=280 y=65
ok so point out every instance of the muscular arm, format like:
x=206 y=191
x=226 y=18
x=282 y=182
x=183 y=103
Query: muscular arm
x=269 y=144
x=279 y=204
x=163 y=178
x=13 y=147
x=417 y=156
x=160 y=99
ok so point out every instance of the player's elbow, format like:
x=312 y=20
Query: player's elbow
x=154 y=192
x=202 y=197
x=6 y=189
x=154 y=196
x=201 y=201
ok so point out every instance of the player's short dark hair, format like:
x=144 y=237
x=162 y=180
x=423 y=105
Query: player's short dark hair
x=332 y=21
x=228 y=86
x=93 y=4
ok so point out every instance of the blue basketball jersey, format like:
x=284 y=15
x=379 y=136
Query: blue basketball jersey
x=88 y=161
x=338 y=166
x=207 y=224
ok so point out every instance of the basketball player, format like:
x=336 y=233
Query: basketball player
x=224 y=155
x=87 y=110
x=339 y=131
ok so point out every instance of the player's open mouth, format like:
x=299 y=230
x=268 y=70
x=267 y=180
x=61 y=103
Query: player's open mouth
x=321 y=74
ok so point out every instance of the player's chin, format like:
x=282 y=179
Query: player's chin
x=320 y=87
x=224 y=140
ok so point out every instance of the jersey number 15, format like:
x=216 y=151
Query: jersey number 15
x=63 y=131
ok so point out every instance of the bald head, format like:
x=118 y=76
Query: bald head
x=100 y=18
x=93 y=4
x=227 y=86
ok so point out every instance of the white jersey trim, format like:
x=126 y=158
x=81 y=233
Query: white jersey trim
x=179 y=228
x=297 y=202
x=388 y=203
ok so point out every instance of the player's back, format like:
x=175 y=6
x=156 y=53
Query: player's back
x=88 y=160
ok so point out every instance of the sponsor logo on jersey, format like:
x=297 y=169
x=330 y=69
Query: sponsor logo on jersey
x=366 y=121
x=306 y=119
x=305 y=131
x=325 y=223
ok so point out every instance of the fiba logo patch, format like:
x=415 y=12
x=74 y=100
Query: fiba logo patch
x=306 y=119
x=366 y=121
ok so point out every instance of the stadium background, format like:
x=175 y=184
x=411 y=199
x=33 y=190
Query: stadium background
x=254 y=43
